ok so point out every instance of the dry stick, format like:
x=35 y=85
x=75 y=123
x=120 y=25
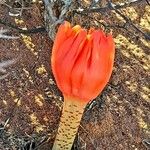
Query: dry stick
x=107 y=8
x=128 y=20
x=51 y=20
x=86 y=15
x=65 y=9
x=148 y=2
x=19 y=10
x=123 y=27
x=4 y=36
x=114 y=7
x=29 y=31
x=102 y=23
x=69 y=123
x=48 y=7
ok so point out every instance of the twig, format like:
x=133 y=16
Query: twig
x=4 y=36
x=65 y=9
x=5 y=124
x=50 y=11
x=107 y=8
x=146 y=143
x=19 y=11
x=128 y=20
x=110 y=6
x=124 y=26
x=19 y=30
x=86 y=15
x=51 y=20
x=42 y=142
x=148 y=2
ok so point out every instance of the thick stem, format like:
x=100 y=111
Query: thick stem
x=69 y=123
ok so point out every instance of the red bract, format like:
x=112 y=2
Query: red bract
x=82 y=61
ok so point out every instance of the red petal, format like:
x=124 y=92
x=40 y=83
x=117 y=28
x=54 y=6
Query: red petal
x=66 y=59
x=100 y=67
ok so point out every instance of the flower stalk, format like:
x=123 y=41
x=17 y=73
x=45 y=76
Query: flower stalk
x=69 y=123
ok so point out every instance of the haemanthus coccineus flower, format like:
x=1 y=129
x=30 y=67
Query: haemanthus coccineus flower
x=82 y=63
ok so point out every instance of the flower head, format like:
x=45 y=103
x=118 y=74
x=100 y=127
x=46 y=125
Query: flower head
x=82 y=61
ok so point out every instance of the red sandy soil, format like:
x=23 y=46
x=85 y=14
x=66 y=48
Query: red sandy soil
x=30 y=102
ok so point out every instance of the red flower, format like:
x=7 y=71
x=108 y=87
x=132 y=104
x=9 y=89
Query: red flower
x=82 y=61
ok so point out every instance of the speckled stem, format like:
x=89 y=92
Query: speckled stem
x=69 y=123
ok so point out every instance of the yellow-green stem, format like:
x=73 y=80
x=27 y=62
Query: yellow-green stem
x=69 y=123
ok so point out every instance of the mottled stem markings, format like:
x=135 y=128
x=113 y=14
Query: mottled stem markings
x=69 y=123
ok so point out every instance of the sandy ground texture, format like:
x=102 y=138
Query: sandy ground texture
x=30 y=102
